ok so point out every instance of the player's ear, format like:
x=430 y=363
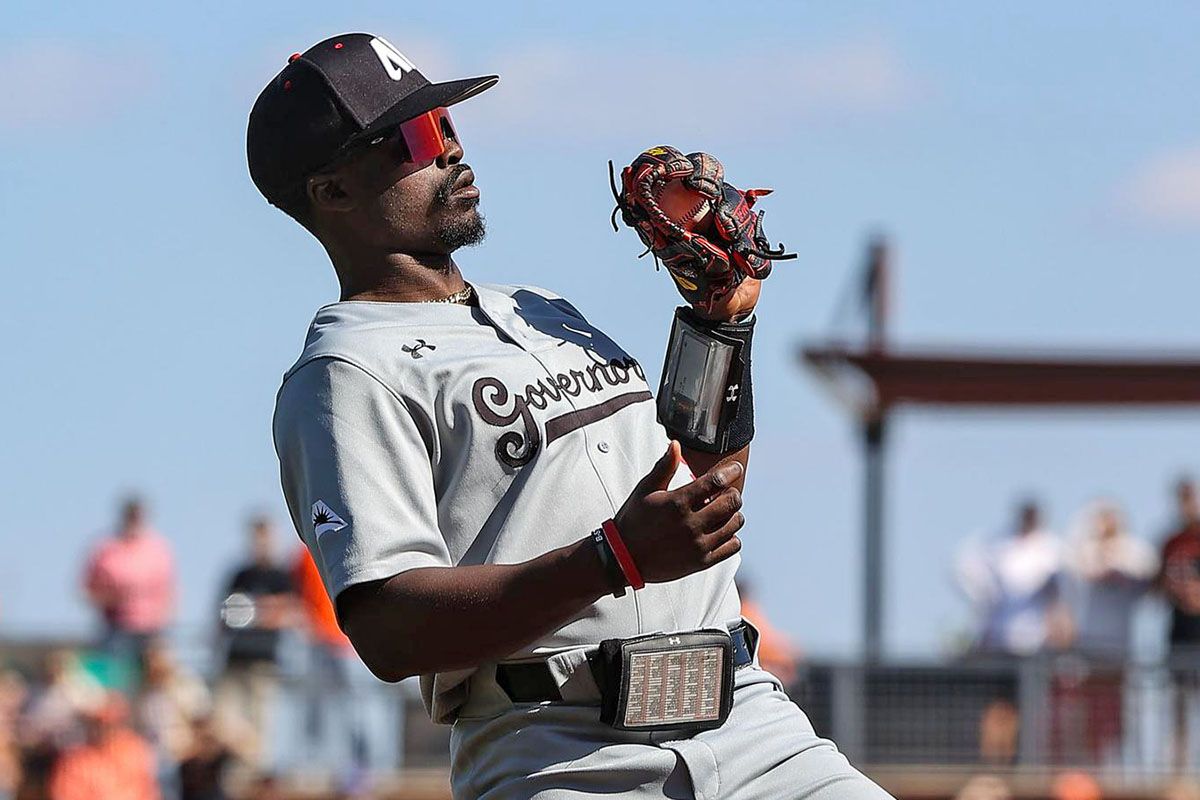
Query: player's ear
x=329 y=191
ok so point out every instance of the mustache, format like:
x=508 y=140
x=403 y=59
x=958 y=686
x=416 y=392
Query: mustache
x=444 y=191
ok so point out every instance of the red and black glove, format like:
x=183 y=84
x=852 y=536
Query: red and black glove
x=701 y=228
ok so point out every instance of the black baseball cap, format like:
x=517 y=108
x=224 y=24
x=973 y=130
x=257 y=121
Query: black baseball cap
x=339 y=92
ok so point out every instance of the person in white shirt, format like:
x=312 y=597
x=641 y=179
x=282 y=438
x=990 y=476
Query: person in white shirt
x=1014 y=584
x=1110 y=570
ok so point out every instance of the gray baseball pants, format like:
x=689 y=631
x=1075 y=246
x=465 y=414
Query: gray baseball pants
x=766 y=749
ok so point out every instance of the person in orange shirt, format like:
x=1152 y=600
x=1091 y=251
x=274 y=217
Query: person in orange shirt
x=113 y=763
x=332 y=663
x=776 y=653
x=314 y=601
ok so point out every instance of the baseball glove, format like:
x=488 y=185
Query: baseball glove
x=701 y=228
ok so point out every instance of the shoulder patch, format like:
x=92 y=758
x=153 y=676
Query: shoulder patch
x=325 y=519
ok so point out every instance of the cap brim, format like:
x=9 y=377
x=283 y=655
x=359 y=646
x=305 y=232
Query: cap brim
x=427 y=98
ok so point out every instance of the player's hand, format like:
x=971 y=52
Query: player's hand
x=671 y=534
x=736 y=305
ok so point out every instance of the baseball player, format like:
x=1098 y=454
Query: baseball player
x=484 y=482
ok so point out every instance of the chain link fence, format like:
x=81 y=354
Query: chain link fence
x=1134 y=721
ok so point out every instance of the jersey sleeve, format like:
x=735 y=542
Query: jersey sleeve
x=357 y=475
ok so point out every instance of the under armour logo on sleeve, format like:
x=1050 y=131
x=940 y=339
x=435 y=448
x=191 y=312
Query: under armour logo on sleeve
x=415 y=350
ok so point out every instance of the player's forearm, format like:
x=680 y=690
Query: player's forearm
x=443 y=618
x=738 y=391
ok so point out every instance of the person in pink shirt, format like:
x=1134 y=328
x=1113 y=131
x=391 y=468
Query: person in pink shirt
x=130 y=581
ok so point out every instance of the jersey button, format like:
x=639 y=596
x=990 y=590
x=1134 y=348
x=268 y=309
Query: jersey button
x=602 y=447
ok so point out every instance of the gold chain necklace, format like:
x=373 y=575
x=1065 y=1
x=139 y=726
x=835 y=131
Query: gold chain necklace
x=461 y=297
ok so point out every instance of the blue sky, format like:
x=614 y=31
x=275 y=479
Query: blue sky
x=1036 y=165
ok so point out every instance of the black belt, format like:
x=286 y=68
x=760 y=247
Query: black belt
x=532 y=681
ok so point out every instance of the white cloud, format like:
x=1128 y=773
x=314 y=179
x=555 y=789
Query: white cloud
x=57 y=83
x=1165 y=190
x=581 y=93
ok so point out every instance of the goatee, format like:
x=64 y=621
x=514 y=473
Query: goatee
x=466 y=226
x=465 y=229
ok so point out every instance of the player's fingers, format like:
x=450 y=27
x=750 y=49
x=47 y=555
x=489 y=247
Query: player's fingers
x=710 y=483
x=726 y=532
x=727 y=550
x=718 y=512
x=659 y=476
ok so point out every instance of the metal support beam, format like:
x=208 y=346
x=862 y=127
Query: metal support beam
x=873 y=557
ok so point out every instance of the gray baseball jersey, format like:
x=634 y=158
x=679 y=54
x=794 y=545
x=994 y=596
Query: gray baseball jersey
x=433 y=435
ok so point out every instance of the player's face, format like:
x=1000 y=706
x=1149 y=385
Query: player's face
x=427 y=206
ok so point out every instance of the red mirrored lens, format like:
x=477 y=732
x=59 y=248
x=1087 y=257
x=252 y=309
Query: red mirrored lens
x=424 y=135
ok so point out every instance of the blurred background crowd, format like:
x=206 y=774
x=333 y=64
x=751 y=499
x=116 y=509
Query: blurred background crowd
x=1073 y=599
x=1032 y=590
x=275 y=688
x=124 y=716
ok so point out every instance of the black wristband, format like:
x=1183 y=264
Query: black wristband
x=732 y=410
x=616 y=578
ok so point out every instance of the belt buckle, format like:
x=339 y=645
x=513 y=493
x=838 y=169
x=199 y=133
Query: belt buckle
x=666 y=681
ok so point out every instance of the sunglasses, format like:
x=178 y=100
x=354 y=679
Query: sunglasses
x=420 y=139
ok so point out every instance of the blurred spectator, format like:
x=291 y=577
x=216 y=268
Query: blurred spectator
x=257 y=607
x=130 y=581
x=12 y=698
x=776 y=653
x=266 y=788
x=112 y=763
x=1075 y=786
x=1180 y=575
x=332 y=665
x=984 y=787
x=1110 y=569
x=318 y=612
x=999 y=727
x=65 y=691
x=1179 y=580
x=1014 y=584
x=202 y=770
x=1086 y=712
x=50 y=721
x=169 y=699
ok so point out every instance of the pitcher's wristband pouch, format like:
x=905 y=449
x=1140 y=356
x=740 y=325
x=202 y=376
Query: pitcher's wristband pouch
x=706 y=401
x=616 y=578
x=624 y=559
